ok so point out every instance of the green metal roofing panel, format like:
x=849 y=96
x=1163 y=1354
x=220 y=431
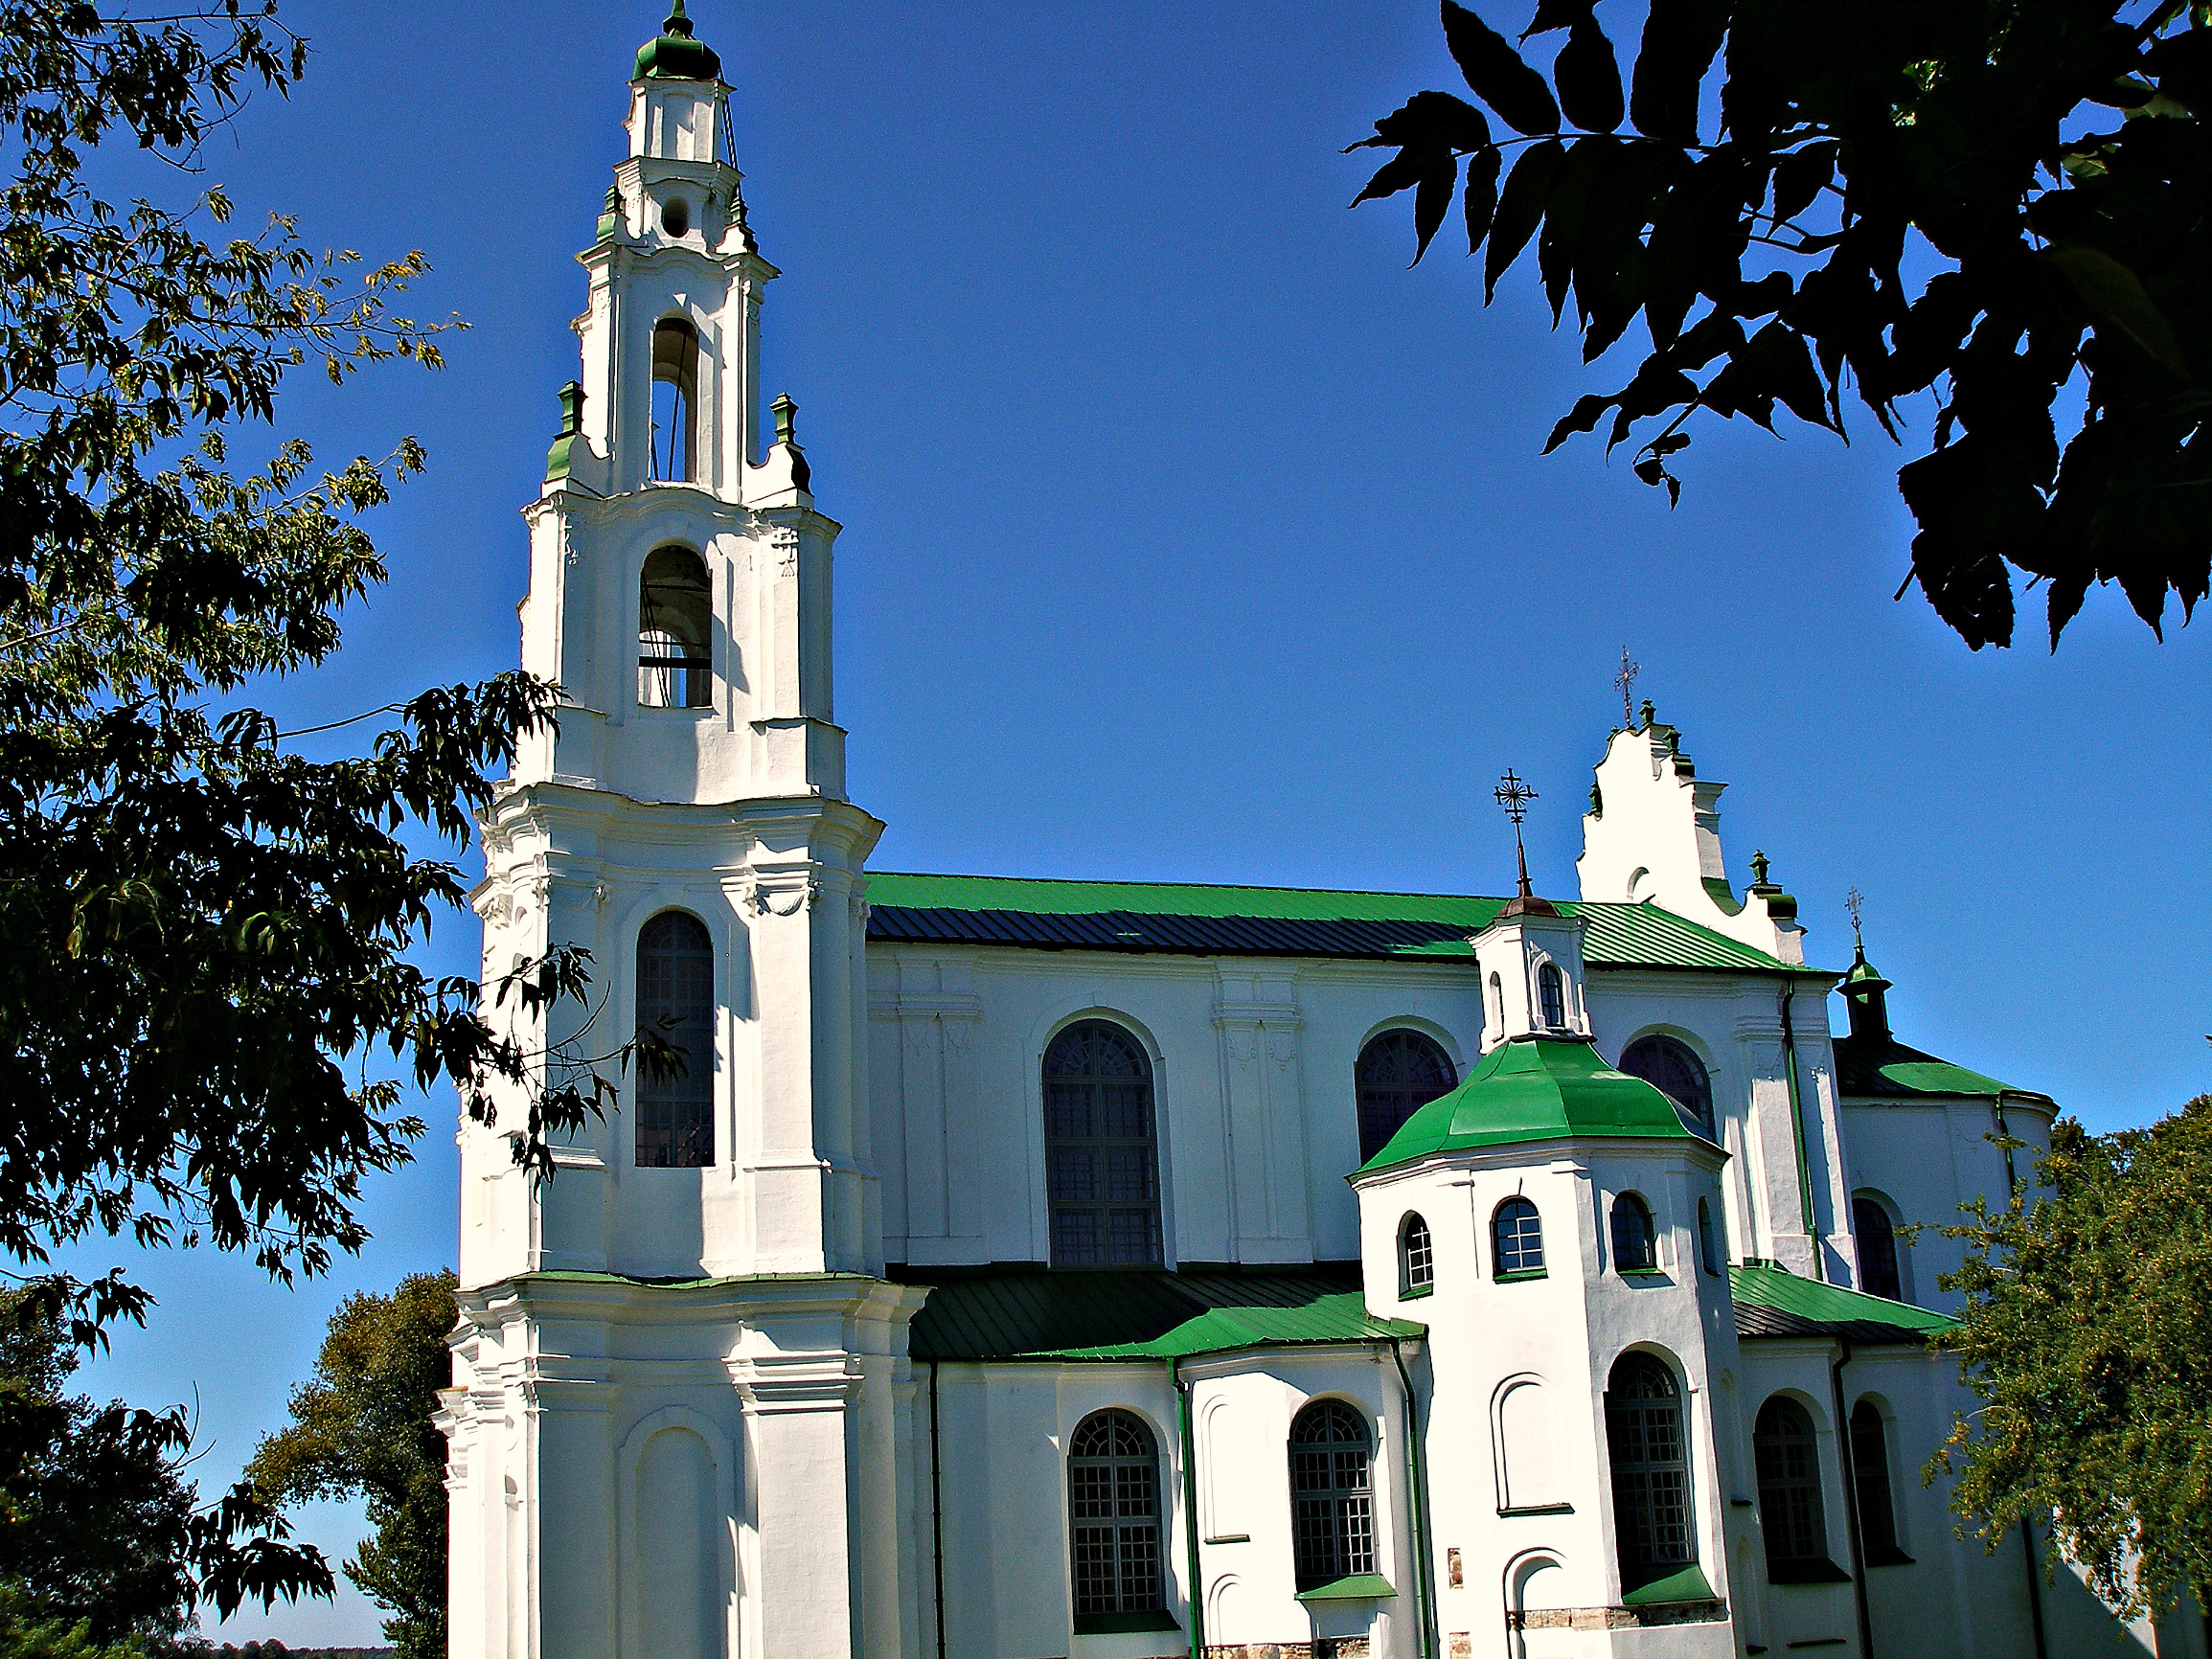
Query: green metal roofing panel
x=1794 y=1306
x=1193 y=919
x=1884 y=1068
x=1537 y=1088
x=1026 y=1313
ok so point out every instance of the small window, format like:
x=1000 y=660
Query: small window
x=674 y=613
x=1636 y=1240
x=1551 y=990
x=1671 y=1068
x=1332 y=1494
x=1650 y=1454
x=676 y=393
x=1710 y=1254
x=1416 y=1258
x=1398 y=1073
x=675 y=219
x=675 y=1002
x=1516 y=1237
x=1787 y=1454
x=1878 y=1270
x=1497 y=1003
x=1113 y=1503
x=1870 y=1482
x=1102 y=1165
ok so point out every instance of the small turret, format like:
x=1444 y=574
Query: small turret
x=1863 y=989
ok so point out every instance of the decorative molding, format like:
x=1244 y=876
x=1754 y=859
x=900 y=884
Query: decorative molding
x=783 y=539
x=780 y=895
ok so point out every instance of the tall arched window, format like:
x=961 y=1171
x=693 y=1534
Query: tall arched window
x=1497 y=1003
x=1787 y=1454
x=1332 y=1493
x=1652 y=1515
x=1710 y=1254
x=1398 y=1073
x=1416 y=1258
x=1636 y=1240
x=1113 y=1508
x=1551 y=992
x=1879 y=1271
x=1671 y=1068
x=675 y=609
x=1516 y=1237
x=1870 y=1485
x=676 y=393
x=675 y=1002
x=1103 y=1170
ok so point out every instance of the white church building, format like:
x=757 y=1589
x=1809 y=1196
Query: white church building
x=1026 y=1269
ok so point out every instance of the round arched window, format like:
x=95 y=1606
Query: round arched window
x=1671 y=1068
x=1399 y=1072
x=1551 y=990
x=1102 y=1165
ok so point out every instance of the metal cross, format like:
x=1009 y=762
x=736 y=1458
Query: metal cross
x=1513 y=796
x=1852 y=901
x=1625 y=681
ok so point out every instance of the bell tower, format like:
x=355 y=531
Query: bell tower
x=676 y=1352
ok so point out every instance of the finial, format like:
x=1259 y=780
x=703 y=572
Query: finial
x=1648 y=715
x=675 y=22
x=1625 y=680
x=787 y=415
x=571 y=398
x=1513 y=796
x=1759 y=868
x=1853 y=902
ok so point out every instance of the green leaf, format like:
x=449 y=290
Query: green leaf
x=1481 y=200
x=1590 y=79
x=1680 y=37
x=1521 y=207
x=1497 y=72
x=2117 y=298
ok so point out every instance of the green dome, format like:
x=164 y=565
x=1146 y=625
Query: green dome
x=675 y=55
x=1534 y=1089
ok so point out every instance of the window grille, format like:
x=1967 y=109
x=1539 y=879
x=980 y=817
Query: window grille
x=1102 y=1166
x=1870 y=1484
x=1416 y=1254
x=1879 y=1272
x=1551 y=991
x=1399 y=1072
x=675 y=1002
x=1787 y=1454
x=1113 y=1497
x=1671 y=1068
x=1651 y=1468
x=1332 y=1494
x=1516 y=1236
x=1636 y=1240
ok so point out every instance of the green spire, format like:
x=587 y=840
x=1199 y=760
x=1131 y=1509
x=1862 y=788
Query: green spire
x=1863 y=986
x=675 y=55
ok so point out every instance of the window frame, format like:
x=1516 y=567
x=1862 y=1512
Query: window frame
x=1416 y=1258
x=1651 y=1495
x=1891 y=1248
x=1705 y=1111
x=1139 y=1594
x=1880 y=1542
x=1375 y=1098
x=1634 y=1204
x=679 y=372
x=1332 y=1521
x=1519 y=1251
x=1062 y=1150
x=1712 y=1254
x=1793 y=1492
x=679 y=662
x=1551 y=996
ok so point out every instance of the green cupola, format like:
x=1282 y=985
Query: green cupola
x=675 y=55
x=1863 y=989
x=1534 y=1089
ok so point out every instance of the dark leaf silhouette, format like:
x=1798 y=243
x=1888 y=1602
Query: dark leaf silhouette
x=1590 y=79
x=1495 y=72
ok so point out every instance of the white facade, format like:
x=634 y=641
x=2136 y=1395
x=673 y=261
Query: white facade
x=730 y=1382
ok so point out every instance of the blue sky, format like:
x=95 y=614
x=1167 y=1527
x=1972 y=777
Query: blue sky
x=1190 y=536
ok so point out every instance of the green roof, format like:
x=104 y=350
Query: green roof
x=675 y=55
x=1024 y=1312
x=1534 y=1089
x=1771 y=1301
x=1198 y=919
x=1884 y=1068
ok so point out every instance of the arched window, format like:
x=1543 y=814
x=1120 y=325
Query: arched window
x=1711 y=1255
x=1516 y=1237
x=1497 y=1003
x=1671 y=1068
x=1551 y=991
x=1416 y=1258
x=1102 y=1171
x=1879 y=1272
x=1113 y=1508
x=675 y=610
x=1870 y=1484
x=1332 y=1493
x=1398 y=1073
x=1635 y=1240
x=1650 y=1454
x=1787 y=1454
x=676 y=392
x=675 y=1002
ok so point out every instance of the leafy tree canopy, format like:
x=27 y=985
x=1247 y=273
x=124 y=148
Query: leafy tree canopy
x=2087 y=1338
x=2002 y=203
x=362 y=1428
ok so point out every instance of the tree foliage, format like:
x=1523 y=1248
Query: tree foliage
x=362 y=1428
x=100 y=1533
x=2001 y=203
x=2088 y=1338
